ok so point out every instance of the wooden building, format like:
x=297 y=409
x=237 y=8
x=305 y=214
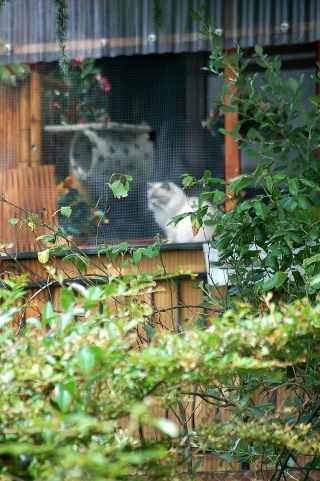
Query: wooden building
x=156 y=81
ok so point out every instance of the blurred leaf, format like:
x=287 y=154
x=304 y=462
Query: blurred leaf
x=64 y=394
x=275 y=281
x=43 y=256
x=87 y=357
x=66 y=211
x=239 y=184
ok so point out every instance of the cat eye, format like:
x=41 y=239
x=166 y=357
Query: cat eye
x=166 y=186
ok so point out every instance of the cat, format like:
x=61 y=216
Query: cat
x=167 y=200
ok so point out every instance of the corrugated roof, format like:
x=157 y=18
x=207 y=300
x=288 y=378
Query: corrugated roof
x=99 y=28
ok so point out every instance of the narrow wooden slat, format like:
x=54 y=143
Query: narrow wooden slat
x=9 y=162
x=15 y=137
x=24 y=125
x=3 y=143
x=36 y=120
x=232 y=151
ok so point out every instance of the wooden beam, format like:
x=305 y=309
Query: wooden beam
x=24 y=125
x=232 y=151
x=36 y=119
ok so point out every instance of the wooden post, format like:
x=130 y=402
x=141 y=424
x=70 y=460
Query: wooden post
x=9 y=127
x=3 y=130
x=232 y=151
x=36 y=122
x=24 y=127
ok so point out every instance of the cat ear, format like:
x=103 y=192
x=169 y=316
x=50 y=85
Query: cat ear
x=166 y=186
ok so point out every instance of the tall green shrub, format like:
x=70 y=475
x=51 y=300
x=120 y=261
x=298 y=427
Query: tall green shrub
x=269 y=242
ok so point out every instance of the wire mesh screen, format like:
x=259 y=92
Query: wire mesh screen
x=126 y=120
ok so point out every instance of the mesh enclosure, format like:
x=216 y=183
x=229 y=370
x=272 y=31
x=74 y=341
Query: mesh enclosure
x=129 y=120
x=108 y=119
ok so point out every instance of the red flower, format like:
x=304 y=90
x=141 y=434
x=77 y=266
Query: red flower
x=82 y=121
x=96 y=76
x=78 y=59
x=105 y=85
x=108 y=119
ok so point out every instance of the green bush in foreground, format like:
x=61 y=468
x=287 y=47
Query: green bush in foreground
x=75 y=401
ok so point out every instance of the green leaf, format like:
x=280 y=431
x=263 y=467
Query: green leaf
x=66 y=211
x=218 y=196
x=262 y=168
x=227 y=457
x=48 y=238
x=196 y=465
x=292 y=84
x=254 y=134
x=314 y=187
x=195 y=15
x=188 y=181
x=150 y=331
x=119 y=189
x=13 y=220
x=315 y=281
x=123 y=246
x=289 y=204
x=48 y=311
x=261 y=210
x=224 y=242
x=294 y=187
x=178 y=218
x=137 y=255
x=239 y=184
x=269 y=184
x=275 y=281
x=110 y=289
x=312 y=260
x=233 y=133
x=64 y=393
x=259 y=50
x=80 y=263
x=87 y=358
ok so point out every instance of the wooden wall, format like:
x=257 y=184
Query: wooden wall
x=21 y=124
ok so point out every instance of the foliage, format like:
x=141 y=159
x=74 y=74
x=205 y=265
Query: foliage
x=269 y=242
x=62 y=21
x=12 y=74
x=85 y=99
x=80 y=393
x=76 y=217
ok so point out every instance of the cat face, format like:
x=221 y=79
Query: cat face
x=160 y=194
x=167 y=200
